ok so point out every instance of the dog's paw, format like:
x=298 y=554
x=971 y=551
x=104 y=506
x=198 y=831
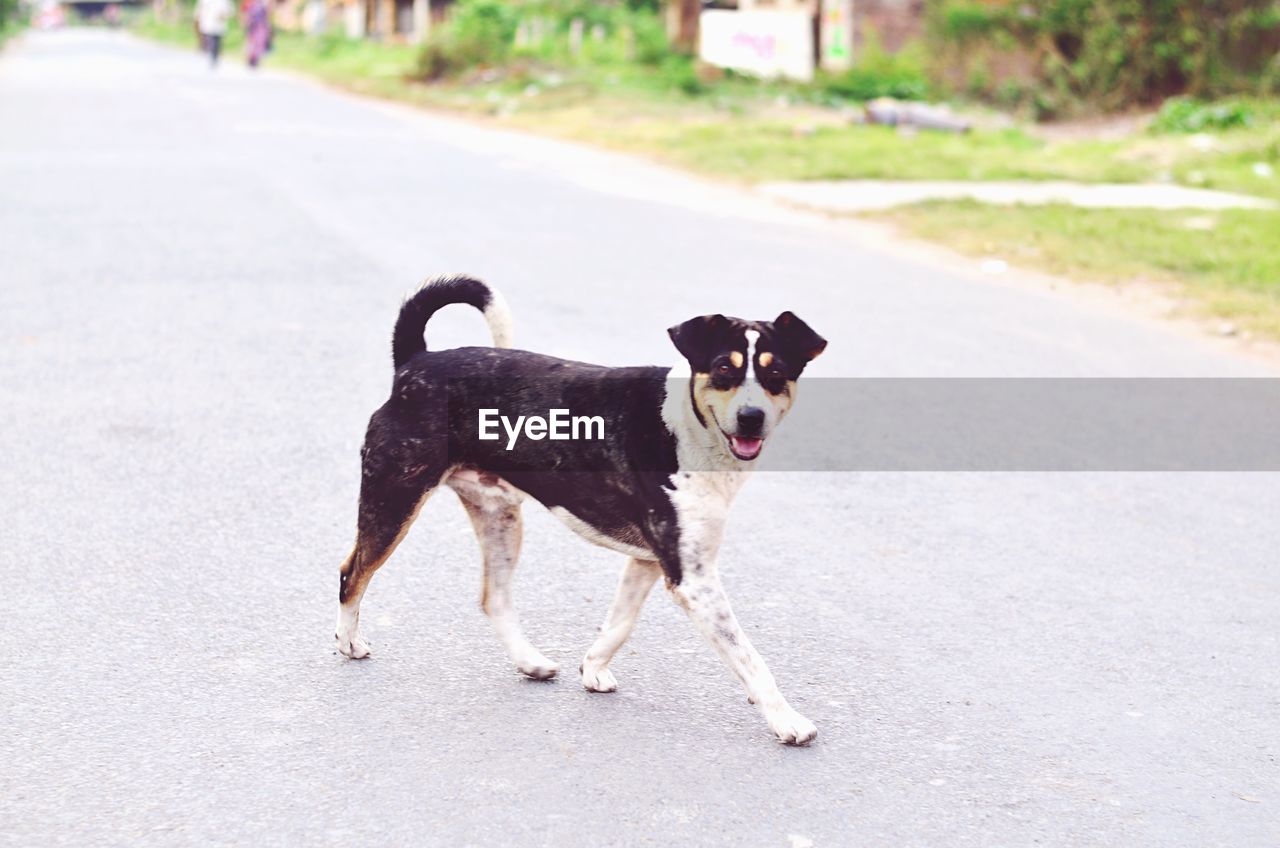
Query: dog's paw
x=539 y=671
x=353 y=646
x=600 y=680
x=791 y=727
x=537 y=667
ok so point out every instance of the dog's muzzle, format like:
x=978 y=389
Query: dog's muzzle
x=747 y=443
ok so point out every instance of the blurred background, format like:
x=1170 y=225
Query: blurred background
x=200 y=266
x=1020 y=94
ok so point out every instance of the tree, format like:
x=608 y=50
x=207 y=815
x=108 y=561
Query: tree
x=682 y=23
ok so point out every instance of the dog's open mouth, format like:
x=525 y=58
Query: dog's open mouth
x=745 y=448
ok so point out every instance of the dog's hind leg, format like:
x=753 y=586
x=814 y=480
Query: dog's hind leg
x=494 y=509
x=386 y=512
x=637 y=579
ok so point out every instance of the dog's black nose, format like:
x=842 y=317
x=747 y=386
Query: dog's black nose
x=750 y=420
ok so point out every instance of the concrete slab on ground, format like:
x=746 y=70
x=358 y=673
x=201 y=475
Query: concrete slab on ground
x=872 y=195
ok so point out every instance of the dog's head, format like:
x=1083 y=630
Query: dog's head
x=745 y=373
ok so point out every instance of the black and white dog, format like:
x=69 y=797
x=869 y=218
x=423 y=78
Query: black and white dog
x=653 y=481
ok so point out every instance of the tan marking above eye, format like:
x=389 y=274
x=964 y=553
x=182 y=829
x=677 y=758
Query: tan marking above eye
x=736 y=359
x=765 y=359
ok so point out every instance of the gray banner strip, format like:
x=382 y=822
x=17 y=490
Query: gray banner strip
x=927 y=424
x=1032 y=425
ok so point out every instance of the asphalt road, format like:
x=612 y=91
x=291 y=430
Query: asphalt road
x=198 y=277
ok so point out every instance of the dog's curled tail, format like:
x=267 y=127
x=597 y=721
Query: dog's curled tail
x=408 y=340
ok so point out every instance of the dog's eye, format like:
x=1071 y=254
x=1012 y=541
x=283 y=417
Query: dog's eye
x=724 y=369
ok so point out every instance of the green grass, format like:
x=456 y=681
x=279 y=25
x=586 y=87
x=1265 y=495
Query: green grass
x=1231 y=165
x=1226 y=264
x=754 y=149
x=344 y=60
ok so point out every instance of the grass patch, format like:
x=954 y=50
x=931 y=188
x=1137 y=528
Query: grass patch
x=343 y=60
x=1245 y=161
x=754 y=149
x=1226 y=262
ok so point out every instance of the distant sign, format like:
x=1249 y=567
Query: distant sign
x=759 y=42
x=837 y=34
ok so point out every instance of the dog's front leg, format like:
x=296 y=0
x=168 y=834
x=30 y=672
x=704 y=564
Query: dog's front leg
x=703 y=598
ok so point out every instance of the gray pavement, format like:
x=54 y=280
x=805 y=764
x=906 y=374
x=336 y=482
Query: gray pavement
x=199 y=276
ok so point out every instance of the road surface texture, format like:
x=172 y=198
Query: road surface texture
x=200 y=274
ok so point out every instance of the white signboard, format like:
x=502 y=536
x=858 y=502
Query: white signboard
x=759 y=42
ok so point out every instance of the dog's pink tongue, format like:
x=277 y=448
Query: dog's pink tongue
x=747 y=448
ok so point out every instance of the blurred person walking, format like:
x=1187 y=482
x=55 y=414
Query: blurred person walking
x=256 y=15
x=211 y=18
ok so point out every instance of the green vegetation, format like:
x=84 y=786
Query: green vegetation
x=1188 y=115
x=751 y=130
x=11 y=20
x=480 y=32
x=1225 y=263
x=754 y=149
x=881 y=74
x=8 y=30
x=1063 y=56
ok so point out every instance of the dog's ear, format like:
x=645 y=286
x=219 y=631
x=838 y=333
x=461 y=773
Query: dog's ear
x=797 y=339
x=695 y=337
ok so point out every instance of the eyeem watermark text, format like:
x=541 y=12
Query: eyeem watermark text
x=559 y=425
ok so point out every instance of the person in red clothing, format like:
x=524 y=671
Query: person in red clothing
x=256 y=15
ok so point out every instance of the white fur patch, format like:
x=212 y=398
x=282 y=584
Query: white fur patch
x=498 y=316
x=752 y=394
x=350 y=643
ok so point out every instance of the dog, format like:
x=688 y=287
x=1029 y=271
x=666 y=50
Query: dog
x=653 y=482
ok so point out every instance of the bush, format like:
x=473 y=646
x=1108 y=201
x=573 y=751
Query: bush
x=650 y=39
x=880 y=74
x=1110 y=54
x=1186 y=115
x=485 y=33
x=479 y=33
x=10 y=15
x=964 y=21
x=680 y=73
